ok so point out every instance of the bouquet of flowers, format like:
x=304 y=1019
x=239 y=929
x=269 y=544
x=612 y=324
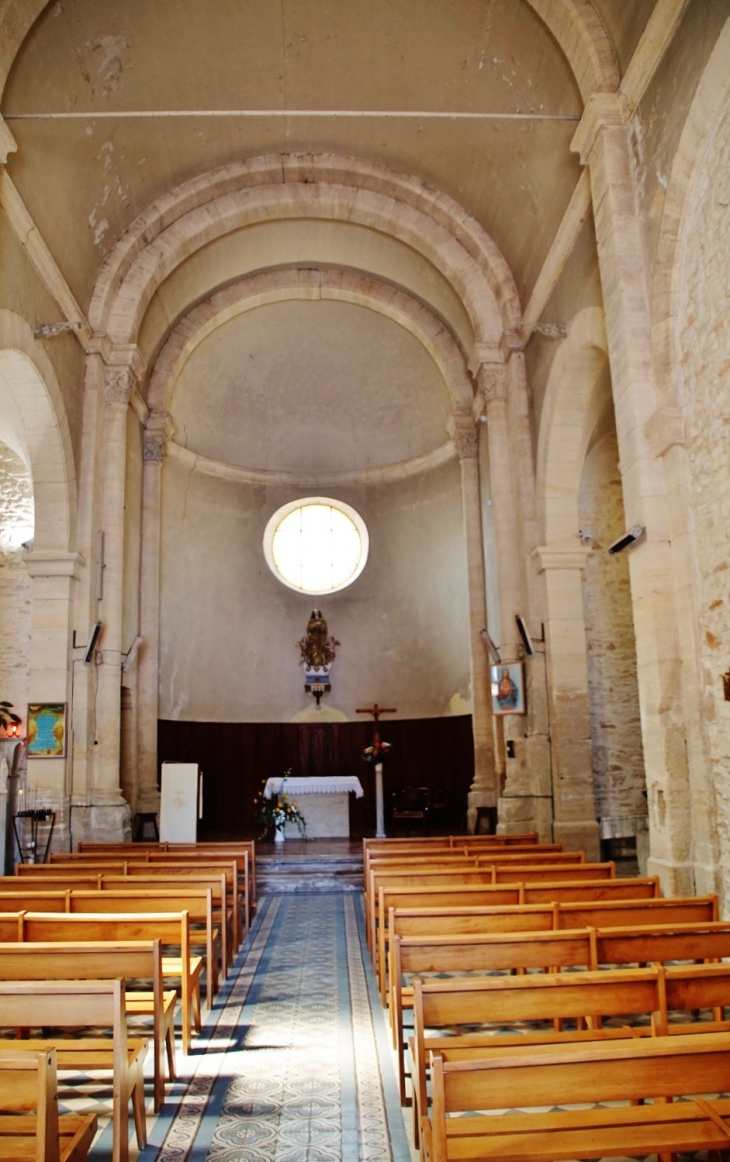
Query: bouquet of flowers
x=277 y=811
x=378 y=752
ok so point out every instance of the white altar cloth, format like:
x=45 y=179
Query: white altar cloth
x=297 y=786
x=326 y=811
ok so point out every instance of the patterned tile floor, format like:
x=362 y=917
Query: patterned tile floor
x=294 y=1063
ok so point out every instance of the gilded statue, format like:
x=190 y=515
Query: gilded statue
x=317 y=649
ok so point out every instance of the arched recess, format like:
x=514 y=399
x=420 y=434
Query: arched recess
x=36 y=394
x=282 y=285
x=591 y=647
x=570 y=413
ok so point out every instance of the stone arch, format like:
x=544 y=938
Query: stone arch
x=304 y=186
x=37 y=397
x=713 y=94
x=291 y=283
x=569 y=415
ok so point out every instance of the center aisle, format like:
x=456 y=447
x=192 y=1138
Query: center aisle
x=294 y=1063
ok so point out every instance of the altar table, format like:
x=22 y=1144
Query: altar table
x=322 y=802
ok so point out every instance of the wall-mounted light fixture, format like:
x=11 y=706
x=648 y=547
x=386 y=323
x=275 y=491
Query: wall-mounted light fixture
x=627 y=539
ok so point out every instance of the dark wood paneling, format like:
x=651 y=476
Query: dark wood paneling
x=236 y=757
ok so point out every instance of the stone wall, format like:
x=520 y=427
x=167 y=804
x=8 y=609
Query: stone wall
x=704 y=366
x=618 y=758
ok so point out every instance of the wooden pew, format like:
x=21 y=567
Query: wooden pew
x=475 y=920
x=531 y=891
x=223 y=849
x=454 y=857
x=659 y=1068
x=581 y=998
x=503 y=952
x=31 y=1129
x=133 y=960
x=197 y=902
x=170 y=928
x=188 y=869
x=506 y=873
x=168 y=895
x=79 y=1004
x=436 y=841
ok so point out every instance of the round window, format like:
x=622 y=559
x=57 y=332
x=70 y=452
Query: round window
x=316 y=545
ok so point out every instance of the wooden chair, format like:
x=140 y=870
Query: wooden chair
x=31 y=1129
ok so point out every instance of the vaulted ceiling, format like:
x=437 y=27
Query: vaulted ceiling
x=112 y=104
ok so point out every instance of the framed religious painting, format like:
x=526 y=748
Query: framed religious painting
x=46 y=730
x=508 y=688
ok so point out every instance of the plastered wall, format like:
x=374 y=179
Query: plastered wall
x=229 y=628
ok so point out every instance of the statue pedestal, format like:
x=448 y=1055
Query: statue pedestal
x=379 y=813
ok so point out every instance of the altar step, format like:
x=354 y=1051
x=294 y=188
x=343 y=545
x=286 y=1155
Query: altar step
x=308 y=870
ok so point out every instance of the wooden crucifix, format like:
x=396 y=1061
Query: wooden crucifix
x=376 y=711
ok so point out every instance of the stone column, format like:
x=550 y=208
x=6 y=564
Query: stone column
x=574 y=811
x=155 y=442
x=109 y=812
x=603 y=144
x=54 y=575
x=483 y=791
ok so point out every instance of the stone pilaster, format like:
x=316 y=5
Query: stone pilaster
x=602 y=141
x=119 y=385
x=156 y=435
x=483 y=792
x=574 y=812
x=53 y=575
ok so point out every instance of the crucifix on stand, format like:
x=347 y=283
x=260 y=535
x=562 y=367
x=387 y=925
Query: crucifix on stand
x=376 y=711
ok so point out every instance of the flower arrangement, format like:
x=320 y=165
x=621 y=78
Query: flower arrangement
x=378 y=752
x=277 y=811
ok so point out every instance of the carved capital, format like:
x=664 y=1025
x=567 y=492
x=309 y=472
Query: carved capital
x=492 y=381
x=156 y=435
x=119 y=384
x=464 y=435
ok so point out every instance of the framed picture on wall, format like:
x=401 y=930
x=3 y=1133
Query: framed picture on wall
x=47 y=730
x=508 y=688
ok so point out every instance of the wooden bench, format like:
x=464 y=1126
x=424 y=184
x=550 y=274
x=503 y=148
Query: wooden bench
x=372 y=843
x=477 y=920
x=80 y=1004
x=455 y=857
x=503 y=952
x=31 y=1128
x=182 y=869
x=137 y=960
x=197 y=902
x=659 y=1068
x=170 y=928
x=440 y=887
x=223 y=849
x=584 y=999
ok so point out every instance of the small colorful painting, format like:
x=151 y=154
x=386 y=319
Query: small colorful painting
x=508 y=688
x=46 y=730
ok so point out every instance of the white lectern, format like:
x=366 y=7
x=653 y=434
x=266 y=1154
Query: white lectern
x=181 y=802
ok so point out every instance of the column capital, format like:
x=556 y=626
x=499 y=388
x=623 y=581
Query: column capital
x=158 y=431
x=548 y=557
x=463 y=433
x=53 y=564
x=602 y=111
x=487 y=366
x=8 y=144
x=120 y=384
